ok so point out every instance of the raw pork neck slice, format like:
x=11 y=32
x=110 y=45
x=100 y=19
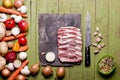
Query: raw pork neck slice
x=69 y=44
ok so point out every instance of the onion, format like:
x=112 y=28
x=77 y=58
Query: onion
x=34 y=69
x=47 y=71
x=5 y=72
x=60 y=72
x=18 y=3
x=20 y=77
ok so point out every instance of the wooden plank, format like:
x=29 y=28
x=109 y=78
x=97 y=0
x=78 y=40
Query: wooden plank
x=114 y=35
x=31 y=34
x=0 y=2
x=52 y=7
x=41 y=8
x=44 y=6
x=88 y=72
x=37 y=7
x=76 y=7
x=102 y=23
x=64 y=7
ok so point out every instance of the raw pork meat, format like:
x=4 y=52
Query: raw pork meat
x=69 y=44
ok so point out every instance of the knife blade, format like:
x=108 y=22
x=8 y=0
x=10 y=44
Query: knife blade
x=88 y=40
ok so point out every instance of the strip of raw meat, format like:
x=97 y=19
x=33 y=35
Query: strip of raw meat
x=76 y=57
x=69 y=32
x=69 y=41
x=70 y=28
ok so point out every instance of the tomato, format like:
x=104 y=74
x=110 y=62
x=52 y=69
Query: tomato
x=23 y=25
x=10 y=23
x=22 y=40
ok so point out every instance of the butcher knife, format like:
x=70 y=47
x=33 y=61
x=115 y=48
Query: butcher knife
x=88 y=40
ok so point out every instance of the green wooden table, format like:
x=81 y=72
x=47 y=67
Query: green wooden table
x=104 y=13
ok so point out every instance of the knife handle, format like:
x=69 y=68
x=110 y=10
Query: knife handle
x=87 y=56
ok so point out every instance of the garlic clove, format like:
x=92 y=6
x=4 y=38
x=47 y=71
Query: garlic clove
x=99 y=47
x=95 y=33
x=94 y=45
x=96 y=51
x=103 y=45
x=98 y=40
x=100 y=35
x=97 y=29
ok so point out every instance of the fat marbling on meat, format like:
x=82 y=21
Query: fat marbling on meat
x=69 y=44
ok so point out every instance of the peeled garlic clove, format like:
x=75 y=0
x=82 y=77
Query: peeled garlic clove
x=98 y=40
x=34 y=69
x=96 y=51
x=99 y=47
x=94 y=45
x=100 y=35
x=95 y=33
x=103 y=45
x=97 y=29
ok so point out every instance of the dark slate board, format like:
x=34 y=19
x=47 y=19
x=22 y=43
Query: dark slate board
x=48 y=26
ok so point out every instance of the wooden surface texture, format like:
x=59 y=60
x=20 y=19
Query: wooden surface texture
x=104 y=13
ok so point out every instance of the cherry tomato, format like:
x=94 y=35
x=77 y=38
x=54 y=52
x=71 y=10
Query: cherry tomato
x=10 y=23
x=22 y=40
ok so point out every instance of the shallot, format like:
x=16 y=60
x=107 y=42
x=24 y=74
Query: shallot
x=34 y=69
x=97 y=29
x=5 y=72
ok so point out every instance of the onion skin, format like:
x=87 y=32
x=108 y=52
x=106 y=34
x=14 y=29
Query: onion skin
x=60 y=72
x=34 y=69
x=47 y=71
x=18 y=3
